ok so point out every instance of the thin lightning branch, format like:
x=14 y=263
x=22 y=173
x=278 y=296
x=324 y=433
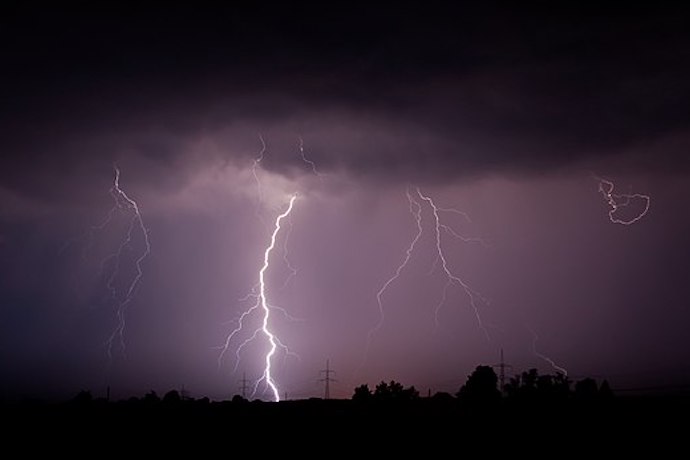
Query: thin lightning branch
x=456 y=211
x=619 y=201
x=286 y=258
x=551 y=362
x=255 y=166
x=123 y=201
x=416 y=211
x=307 y=160
x=473 y=295
x=415 y=207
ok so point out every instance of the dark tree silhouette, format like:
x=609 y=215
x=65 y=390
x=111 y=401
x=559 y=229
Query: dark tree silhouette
x=481 y=386
x=83 y=397
x=239 y=399
x=172 y=397
x=586 y=389
x=443 y=397
x=605 y=392
x=530 y=386
x=362 y=394
x=151 y=398
x=394 y=391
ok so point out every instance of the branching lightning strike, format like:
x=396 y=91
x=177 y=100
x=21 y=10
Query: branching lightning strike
x=416 y=211
x=415 y=207
x=124 y=202
x=473 y=296
x=259 y=291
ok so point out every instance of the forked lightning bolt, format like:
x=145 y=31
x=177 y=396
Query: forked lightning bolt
x=263 y=305
x=125 y=203
x=416 y=211
x=415 y=201
x=123 y=297
x=618 y=201
x=259 y=291
x=473 y=296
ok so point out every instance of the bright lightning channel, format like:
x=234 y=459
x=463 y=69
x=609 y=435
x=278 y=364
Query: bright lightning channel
x=265 y=307
x=259 y=290
x=617 y=201
x=264 y=303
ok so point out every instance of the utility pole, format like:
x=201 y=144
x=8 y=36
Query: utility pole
x=327 y=379
x=244 y=387
x=502 y=366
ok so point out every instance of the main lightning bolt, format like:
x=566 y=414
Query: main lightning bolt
x=263 y=305
x=542 y=356
x=259 y=291
x=617 y=201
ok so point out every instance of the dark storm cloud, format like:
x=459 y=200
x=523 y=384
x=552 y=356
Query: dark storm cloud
x=523 y=99
x=408 y=92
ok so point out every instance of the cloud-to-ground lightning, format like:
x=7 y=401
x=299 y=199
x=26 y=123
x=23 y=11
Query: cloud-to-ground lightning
x=551 y=362
x=260 y=291
x=125 y=203
x=123 y=297
x=416 y=211
x=618 y=201
x=473 y=296
x=264 y=306
x=415 y=201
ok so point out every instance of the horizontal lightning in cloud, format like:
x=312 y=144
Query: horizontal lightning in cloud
x=619 y=201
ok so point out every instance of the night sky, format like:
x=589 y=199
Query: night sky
x=503 y=112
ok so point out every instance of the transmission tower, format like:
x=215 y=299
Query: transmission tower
x=502 y=366
x=327 y=380
x=244 y=385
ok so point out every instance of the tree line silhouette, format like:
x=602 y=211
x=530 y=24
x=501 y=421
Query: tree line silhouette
x=481 y=388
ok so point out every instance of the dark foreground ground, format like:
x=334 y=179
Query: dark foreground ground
x=426 y=427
